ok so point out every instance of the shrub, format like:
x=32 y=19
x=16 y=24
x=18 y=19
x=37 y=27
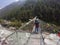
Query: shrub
x=1 y=21
x=15 y=23
x=55 y=31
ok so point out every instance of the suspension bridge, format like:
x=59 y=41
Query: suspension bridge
x=25 y=38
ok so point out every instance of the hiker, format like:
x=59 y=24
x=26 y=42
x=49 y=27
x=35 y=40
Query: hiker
x=36 y=25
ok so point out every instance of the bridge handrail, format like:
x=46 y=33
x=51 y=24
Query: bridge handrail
x=21 y=28
x=18 y=29
x=41 y=36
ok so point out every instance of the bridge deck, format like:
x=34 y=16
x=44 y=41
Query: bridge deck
x=34 y=39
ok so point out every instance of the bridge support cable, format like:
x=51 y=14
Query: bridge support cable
x=18 y=30
x=41 y=39
x=17 y=38
x=27 y=40
x=41 y=36
x=27 y=23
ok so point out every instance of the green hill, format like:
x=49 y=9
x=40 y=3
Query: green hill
x=47 y=10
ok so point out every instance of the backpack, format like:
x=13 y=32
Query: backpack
x=36 y=22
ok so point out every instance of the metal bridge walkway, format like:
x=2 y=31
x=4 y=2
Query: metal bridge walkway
x=18 y=39
x=34 y=39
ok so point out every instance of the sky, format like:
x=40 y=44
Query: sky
x=4 y=3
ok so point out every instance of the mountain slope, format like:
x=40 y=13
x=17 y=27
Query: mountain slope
x=47 y=10
x=10 y=7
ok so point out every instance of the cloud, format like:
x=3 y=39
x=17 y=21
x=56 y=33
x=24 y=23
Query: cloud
x=0 y=8
x=16 y=0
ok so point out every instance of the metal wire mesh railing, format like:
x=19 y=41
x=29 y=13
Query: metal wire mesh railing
x=21 y=37
x=18 y=37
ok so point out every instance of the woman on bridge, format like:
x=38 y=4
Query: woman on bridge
x=36 y=25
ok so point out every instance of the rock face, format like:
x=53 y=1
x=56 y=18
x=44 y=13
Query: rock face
x=3 y=34
x=51 y=39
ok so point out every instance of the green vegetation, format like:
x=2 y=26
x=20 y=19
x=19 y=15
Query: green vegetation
x=51 y=28
x=12 y=23
x=48 y=11
x=1 y=21
x=15 y=23
x=55 y=31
